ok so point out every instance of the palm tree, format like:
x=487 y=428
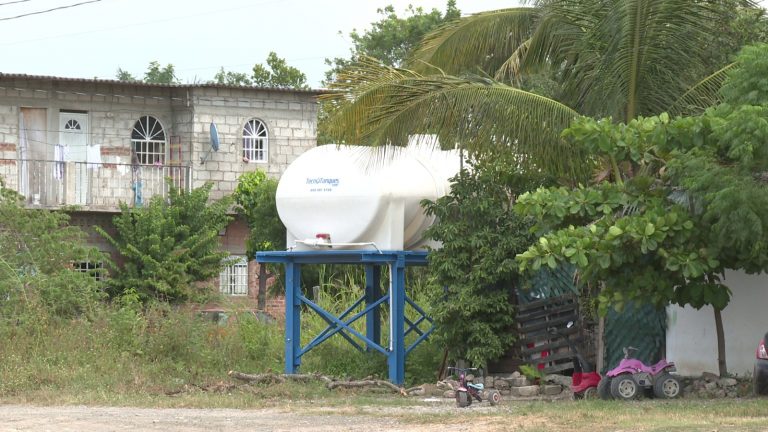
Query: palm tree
x=467 y=81
x=470 y=81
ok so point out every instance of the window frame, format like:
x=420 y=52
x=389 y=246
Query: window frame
x=255 y=141
x=233 y=279
x=94 y=269
x=145 y=148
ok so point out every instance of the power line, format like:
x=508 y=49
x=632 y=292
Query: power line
x=158 y=21
x=14 y=2
x=47 y=10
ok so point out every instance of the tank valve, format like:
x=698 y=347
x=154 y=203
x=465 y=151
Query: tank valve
x=323 y=239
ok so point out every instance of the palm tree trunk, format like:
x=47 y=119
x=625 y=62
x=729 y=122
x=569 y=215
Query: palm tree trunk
x=721 y=366
x=634 y=69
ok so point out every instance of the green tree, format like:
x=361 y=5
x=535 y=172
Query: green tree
x=168 y=246
x=155 y=74
x=277 y=73
x=472 y=301
x=743 y=24
x=620 y=58
x=393 y=38
x=255 y=199
x=231 y=78
x=516 y=78
x=37 y=252
x=688 y=204
x=124 y=75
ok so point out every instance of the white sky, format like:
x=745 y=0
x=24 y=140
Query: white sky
x=196 y=36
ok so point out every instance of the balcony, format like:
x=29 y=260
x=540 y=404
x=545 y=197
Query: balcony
x=91 y=186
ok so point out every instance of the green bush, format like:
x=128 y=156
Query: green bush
x=168 y=246
x=476 y=277
x=37 y=252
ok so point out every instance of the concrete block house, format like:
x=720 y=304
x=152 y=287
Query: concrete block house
x=94 y=143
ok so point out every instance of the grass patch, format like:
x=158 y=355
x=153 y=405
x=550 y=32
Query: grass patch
x=650 y=415
x=123 y=356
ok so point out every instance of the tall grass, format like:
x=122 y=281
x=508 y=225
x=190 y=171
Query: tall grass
x=339 y=288
x=122 y=350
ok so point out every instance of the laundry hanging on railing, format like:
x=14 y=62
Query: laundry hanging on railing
x=93 y=156
x=59 y=156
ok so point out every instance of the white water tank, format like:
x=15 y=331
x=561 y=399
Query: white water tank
x=362 y=197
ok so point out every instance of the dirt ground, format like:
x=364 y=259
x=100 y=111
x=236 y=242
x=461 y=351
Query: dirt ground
x=104 y=419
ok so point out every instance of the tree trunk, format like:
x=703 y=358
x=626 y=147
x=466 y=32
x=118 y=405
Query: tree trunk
x=721 y=366
x=261 y=296
x=600 y=355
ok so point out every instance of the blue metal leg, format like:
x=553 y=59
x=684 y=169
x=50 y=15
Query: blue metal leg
x=396 y=360
x=292 y=317
x=373 y=293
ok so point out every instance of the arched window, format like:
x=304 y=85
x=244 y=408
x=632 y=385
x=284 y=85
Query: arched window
x=72 y=125
x=255 y=140
x=148 y=141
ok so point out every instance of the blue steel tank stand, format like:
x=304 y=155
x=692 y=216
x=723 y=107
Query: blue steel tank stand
x=395 y=296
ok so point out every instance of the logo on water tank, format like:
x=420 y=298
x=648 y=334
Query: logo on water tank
x=322 y=184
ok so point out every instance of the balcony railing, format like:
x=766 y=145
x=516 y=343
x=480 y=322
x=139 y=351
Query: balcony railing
x=95 y=186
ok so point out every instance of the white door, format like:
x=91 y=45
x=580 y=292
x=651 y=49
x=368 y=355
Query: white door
x=73 y=136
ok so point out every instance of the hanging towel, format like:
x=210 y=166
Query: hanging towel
x=93 y=156
x=58 y=157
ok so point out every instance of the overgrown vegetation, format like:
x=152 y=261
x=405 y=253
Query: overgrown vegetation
x=686 y=202
x=255 y=199
x=168 y=247
x=38 y=251
x=475 y=276
x=161 y=348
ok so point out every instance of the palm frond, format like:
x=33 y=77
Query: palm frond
x=484 y=40
x=511 y=69
x=385 y=105
x=635 y=57
x=705 y=94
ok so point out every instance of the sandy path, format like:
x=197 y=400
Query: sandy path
x=15 y=418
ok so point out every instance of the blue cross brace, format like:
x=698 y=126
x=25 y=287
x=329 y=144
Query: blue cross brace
x=395 y=298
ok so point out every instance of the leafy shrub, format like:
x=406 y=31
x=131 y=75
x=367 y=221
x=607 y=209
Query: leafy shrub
x=37 y=252
x=474 y=270
x=168 y=246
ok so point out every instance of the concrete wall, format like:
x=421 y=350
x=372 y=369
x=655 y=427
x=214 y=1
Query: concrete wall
x=290 y=118
x=691 y=337
x=185 y=114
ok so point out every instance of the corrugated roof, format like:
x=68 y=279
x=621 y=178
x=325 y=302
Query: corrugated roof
x=143 y=84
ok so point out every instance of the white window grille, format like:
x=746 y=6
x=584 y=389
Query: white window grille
x=148 y=141
x=94 y=269
x=255 y=141
x=233 y=280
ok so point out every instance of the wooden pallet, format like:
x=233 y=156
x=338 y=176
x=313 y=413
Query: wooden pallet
x=538 y=346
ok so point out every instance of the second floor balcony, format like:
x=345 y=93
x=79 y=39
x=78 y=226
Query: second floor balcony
x=90 y=186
